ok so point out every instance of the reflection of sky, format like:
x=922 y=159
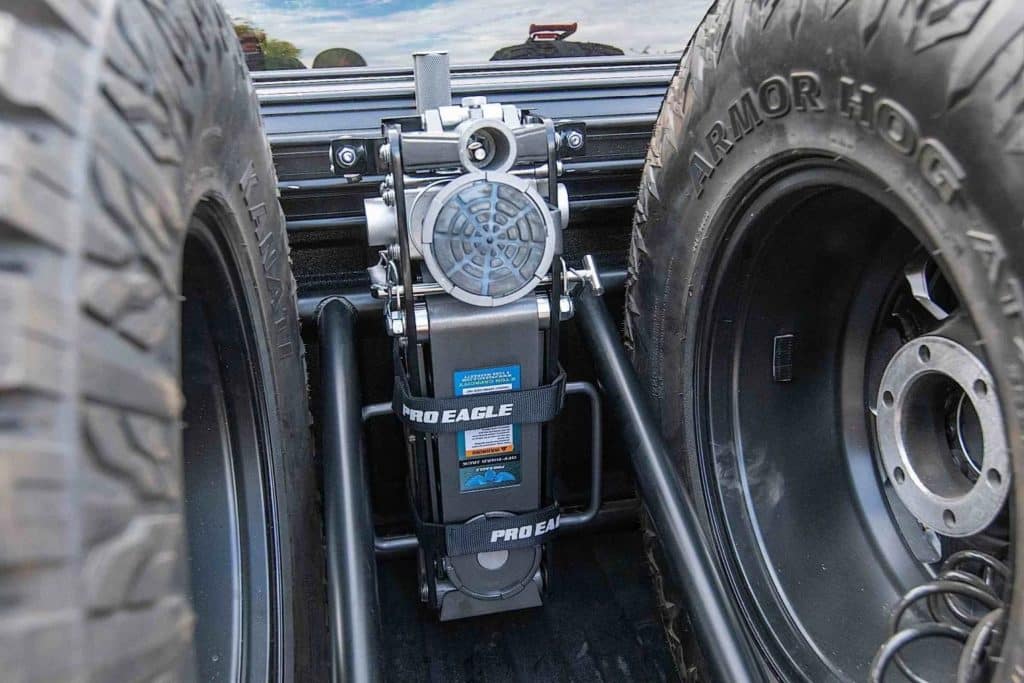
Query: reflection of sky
x=387 y=32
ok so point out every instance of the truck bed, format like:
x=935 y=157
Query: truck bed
x=599 y=623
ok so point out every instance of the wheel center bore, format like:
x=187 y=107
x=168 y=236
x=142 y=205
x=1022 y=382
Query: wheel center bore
x=963 y=431
x=939 y=430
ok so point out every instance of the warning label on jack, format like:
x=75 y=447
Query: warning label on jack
x=488 y=457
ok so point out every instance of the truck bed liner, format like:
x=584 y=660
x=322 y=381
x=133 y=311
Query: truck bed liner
x=599 y=623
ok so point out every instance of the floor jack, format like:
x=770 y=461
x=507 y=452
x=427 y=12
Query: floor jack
x=472 y=289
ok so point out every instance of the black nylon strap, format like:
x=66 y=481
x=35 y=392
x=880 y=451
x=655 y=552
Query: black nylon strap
x=486 y=535
x=440 y=415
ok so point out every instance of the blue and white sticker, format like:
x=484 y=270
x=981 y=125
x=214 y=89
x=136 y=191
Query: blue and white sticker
x=488 y=457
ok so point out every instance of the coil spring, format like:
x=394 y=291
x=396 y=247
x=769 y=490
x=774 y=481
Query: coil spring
x=966 y=578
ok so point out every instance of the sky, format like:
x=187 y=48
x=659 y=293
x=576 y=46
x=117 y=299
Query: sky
x=387 y=32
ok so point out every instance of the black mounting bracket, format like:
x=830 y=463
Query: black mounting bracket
x=356 y=156
x=395 y=545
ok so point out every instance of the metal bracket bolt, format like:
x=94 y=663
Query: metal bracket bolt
x=566 y=309
x=387 y=190
x=347 y=156
x=574 y=139
x=590 y=276
x=394 y=322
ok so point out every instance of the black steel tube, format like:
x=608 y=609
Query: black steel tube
x=675 y=519
x=390 y=546
x=351 y=564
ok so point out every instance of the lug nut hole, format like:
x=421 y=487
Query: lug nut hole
x=924 y=353
x=994 y=478
x=949 y=518
x=899 y=475
x=980 y=388
x=888 y=399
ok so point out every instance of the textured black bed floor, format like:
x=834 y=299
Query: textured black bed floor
x=598 y=623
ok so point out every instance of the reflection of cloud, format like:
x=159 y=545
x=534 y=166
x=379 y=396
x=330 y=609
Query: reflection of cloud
x=387 y=32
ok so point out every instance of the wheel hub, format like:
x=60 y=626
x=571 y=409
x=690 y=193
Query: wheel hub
x=940 y=436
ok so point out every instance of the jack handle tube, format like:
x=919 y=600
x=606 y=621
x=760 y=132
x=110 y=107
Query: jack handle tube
x=671 y=509
x=351 y=564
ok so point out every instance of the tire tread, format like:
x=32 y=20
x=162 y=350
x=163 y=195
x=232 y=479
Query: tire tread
x=95 y=508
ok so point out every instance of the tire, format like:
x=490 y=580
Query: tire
x=555 y=49
x=913 y=111
x=121 y=119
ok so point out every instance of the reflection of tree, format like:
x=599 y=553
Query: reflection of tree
x=263 y=52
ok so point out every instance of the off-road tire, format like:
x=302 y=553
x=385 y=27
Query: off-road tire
x=555 y=49
x=117 y=118
x=954 y=67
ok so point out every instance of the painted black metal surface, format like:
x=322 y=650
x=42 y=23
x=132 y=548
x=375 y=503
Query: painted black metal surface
x=672 y=511
x=351 y=568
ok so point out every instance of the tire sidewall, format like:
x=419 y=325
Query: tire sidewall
x=685 y=211
x=228 y=166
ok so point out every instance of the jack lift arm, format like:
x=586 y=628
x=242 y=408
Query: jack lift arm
x=352 y=585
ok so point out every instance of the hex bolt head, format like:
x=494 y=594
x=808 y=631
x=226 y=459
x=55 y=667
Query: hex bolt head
x=347 y=156
x=395 y=323
x=574 y=139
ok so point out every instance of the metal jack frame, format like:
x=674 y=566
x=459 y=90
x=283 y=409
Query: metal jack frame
x=352 y=546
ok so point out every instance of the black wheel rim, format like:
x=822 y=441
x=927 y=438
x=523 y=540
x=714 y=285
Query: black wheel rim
x=228 y=504
x=815 y=549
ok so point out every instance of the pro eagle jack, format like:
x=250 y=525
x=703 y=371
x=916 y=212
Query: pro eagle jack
x=473 y=291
